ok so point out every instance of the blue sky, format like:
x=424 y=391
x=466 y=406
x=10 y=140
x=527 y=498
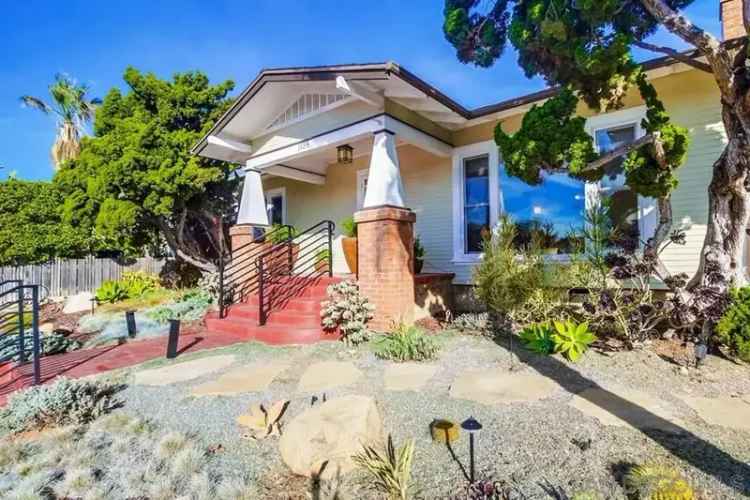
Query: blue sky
x=95 y=41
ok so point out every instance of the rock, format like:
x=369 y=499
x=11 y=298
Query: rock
x=330 y=434
x=327 y=375
x=252 y=378
x=684 y=370
x=624 y=407
x=180 y=372
x=408 y=376
x=80 y=302
x=733 y=413
x=499 y=386
x=46 y=328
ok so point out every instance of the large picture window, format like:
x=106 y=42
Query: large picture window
x=552 y=212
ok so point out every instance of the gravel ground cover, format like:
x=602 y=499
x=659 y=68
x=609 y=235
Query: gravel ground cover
x=535 y=449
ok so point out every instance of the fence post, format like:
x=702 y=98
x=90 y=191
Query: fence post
x=174 y=335
x=21 y=326
x=35 y=333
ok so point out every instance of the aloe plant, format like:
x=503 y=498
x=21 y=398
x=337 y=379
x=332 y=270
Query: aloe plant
x=538 y=338
x=571 y=339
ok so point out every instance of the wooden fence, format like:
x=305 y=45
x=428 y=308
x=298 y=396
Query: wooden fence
x=62 y=277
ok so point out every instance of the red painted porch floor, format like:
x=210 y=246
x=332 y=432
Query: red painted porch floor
x=103 y=359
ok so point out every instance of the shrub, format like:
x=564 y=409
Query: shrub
x=52 y=343
x=389 y=470
x=348 y=227
x=347 y=310
x=406 y=343
x=63 y=402
x=538 y=338
x=516 y=283
x=733 y=330
x=419 y=252
x=572 y=339
x=281 y=234
x=656 y=481
x=472 y=324
x=190 y=307
x=137 y=283
x=110 y=292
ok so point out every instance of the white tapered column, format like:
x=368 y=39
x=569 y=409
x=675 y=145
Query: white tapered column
x=253 y=203
x=384 y=186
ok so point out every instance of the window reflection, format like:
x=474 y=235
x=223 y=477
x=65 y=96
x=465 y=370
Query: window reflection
x=476 y=201
x=623 y=200
x=551 y=212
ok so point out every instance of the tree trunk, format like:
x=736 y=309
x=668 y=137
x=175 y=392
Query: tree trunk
x=722 y=258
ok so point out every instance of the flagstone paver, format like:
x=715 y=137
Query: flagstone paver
x=181 y=372
x=251 y=378
x=498 y=385
x=408 y=376
x=624 y=407
x=724 y=411
x=327 y=375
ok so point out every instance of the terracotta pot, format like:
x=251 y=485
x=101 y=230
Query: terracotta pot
x=418 y=264
x=350 y=253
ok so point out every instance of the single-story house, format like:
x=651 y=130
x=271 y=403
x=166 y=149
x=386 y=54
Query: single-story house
x=323 y=143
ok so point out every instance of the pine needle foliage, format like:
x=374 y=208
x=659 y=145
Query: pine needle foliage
x=389 y=470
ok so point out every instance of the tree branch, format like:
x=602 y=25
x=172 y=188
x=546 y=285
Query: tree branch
x=621 y=151
x=706 y=43
x=683 y=27
x=677 y=55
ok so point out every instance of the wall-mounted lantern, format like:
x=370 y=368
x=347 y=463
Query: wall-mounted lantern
x=345 y=153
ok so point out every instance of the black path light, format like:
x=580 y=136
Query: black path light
x=130 y=321
x=174 y=336
x=472 y=426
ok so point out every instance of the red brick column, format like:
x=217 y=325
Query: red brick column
x=240 y=234
x=385 y=241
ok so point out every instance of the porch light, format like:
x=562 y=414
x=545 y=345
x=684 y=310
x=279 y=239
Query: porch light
x=345 y=153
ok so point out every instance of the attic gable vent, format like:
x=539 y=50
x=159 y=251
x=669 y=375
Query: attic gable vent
x=305 y=106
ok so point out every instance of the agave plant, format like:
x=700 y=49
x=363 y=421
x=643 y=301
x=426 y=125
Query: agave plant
x=73 y=110
x=572 y=339
x=389 y=470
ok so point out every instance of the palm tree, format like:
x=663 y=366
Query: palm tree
x=73 y=109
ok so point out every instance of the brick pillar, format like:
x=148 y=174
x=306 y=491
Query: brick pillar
x=385 y=241
x=731 y=18
x=240 y=234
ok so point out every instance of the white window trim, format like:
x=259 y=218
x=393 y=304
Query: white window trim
x=460 y=154
x=647 y=208
x=361 y=176
x=270 y=193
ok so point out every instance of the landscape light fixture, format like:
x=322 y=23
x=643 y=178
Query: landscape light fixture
x=472 y=426
x=345 y=153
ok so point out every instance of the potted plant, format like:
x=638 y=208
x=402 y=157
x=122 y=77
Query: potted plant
x=321 y=260
x=349 y=243
x=418 y=255
x=278 y=236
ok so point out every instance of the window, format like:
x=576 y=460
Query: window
x=276 y=206
x=476 y=202
x=552 y=211
x=362 y=176
x=623 y=200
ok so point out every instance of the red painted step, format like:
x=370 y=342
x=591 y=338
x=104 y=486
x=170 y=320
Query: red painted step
x=293 y=319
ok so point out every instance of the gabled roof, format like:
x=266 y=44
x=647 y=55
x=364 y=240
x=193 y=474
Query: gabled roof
x=444 y=107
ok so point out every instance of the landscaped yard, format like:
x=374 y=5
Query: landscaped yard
x=550 y=426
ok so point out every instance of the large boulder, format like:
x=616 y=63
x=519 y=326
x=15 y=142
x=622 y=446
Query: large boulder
x=323 y=438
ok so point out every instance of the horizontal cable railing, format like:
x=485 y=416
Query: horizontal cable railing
x=18 y=300
x=288 y=269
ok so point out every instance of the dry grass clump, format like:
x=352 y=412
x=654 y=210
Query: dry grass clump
x=116 y=457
